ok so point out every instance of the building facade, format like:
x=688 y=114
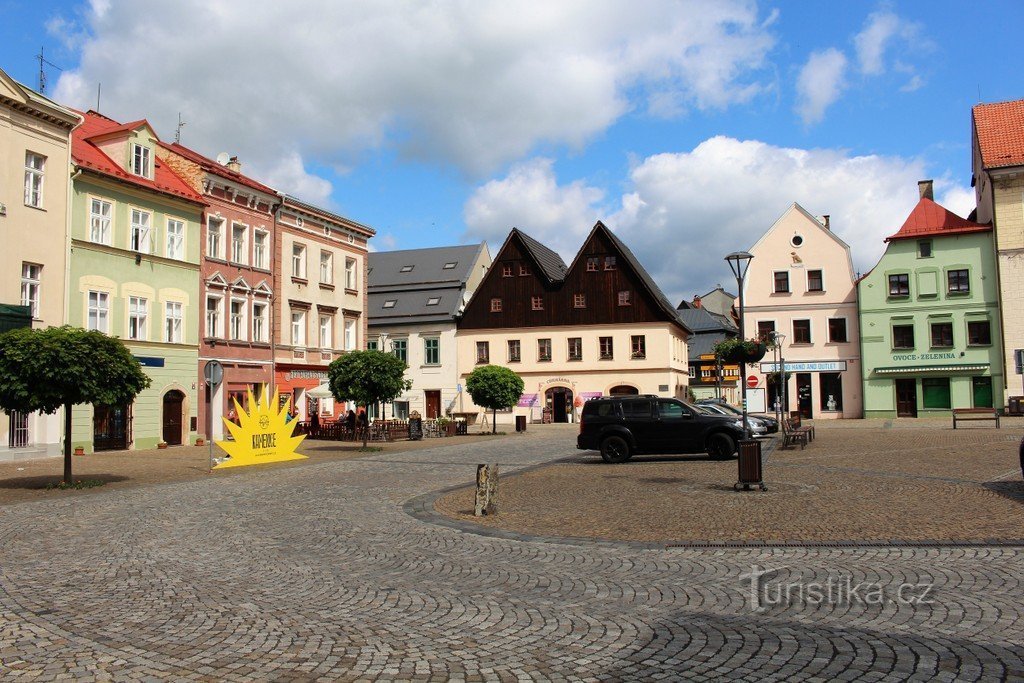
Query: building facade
x=415 y=298
x=598 y=327
x=708 y=377
x=930 y=318
x=134 y=274
x=320 y=304
x=801 y=284
x=997 y=136
x=237 y=280
x=35 y=144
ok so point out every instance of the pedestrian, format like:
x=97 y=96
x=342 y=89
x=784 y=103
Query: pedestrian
x=350 y=422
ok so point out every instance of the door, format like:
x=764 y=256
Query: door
x=559 y=400
x=803 y=394
x=982 y=389
x=173 y=401
x=906 y=398
x=110 y=428
x=675 y=428
x=18 y=430
x=433 y=399
x=639 y=416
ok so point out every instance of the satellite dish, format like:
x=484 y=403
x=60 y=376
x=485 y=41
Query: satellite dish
x=466 y=296
x=223 y=158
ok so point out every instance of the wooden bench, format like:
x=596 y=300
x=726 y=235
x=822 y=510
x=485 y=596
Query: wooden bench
x=797 y=426
x=973 y=414
x=793 y=435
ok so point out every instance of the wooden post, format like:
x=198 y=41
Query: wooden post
x=486 y=490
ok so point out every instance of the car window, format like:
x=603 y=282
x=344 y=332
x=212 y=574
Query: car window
x=605 y=409
x=599 y=408
x=636 y=409
x=670 y=410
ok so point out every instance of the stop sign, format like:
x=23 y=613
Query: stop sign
x=752 y=381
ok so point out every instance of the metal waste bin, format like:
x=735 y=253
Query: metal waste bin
x=520 y=423
x=1016 y=406
x=749 y=465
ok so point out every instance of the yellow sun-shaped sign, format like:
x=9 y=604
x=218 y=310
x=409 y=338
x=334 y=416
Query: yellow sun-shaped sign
x=262 y=435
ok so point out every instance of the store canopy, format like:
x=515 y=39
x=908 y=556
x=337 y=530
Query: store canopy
x=322 y=391
x=931 y=368
x=14 y=317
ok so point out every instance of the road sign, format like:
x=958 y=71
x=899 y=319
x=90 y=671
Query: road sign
x=213 y=373
x=752 y=381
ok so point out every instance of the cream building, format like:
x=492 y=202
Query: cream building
x=34 y=189
x=801 y=283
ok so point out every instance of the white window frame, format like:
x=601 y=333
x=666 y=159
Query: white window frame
x=350 y=274
x=259 y=321
x=35 y=176
x=138 y=317
x=807 y=280
x=175 y=242
x=240 y=248
x=144 y=231
x=101 y=309
x=174 y=321
x=326 y=332
x=260 y=251
x=350 y=334
x=215 y=227
x=237 y=323
x=31 y=286
x=326 y=267
x=299 y=260
x=101 y=226
x=141 y=167
x=214 y=330
x=298 y=328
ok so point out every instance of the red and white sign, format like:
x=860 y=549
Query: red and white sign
x=752 y=381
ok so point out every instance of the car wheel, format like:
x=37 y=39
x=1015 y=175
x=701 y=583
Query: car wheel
x=721 y=446
x=615 y=449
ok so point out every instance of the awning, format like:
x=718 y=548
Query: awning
x=322 y=391
x=13 y=317
x=931 y=368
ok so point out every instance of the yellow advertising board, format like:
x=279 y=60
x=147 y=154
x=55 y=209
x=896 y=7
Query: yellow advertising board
x=262 y=435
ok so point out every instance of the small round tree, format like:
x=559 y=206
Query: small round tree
x=44 y=370
x=367 y=377
x=494 y=387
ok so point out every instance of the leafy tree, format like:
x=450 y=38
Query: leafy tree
x=367 y=377
x=494 y=387
x=44 y=370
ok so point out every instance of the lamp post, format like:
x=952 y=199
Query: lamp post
x=739 y=262
x=780 y=374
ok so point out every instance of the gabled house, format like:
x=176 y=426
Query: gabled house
x=600 y=326
x=708 y=378
x=415 y=298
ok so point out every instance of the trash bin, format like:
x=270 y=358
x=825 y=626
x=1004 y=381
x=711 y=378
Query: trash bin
x=520 y=423
x=750 y=465
x=1016 y=406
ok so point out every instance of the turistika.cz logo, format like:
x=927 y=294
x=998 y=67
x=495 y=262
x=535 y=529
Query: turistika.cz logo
x=764 y=593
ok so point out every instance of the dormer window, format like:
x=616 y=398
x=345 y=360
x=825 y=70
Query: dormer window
x=450 y=265
x=405 y=269
x=390 y=303
x=142 y=161
x=433 y=301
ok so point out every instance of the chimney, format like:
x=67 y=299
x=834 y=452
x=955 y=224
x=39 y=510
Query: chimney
x=924 y=187
x=234 y=164
x=696 y=302
x=824 y=221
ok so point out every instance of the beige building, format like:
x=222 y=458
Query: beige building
x=997 y=138
x=801 y=284
x=35 y=136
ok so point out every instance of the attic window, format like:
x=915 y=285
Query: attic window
x=450 y=265
x=609 y=263
x=142 y=161
x=406 y=269
x=390 y=303
x=433 y=301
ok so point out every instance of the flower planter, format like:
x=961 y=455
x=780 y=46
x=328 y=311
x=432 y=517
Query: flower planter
x=200 y=441
x=162 y=445
x=740 y=354
x=79 y=450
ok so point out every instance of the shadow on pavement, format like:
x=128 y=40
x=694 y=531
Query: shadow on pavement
x=42 y=481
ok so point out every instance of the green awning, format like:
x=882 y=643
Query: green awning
x=969 y=367
x=14 y=317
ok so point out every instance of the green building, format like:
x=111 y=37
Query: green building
x=929 y=317
x=134 y=274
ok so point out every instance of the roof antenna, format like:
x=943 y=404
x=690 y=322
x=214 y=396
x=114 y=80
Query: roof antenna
x=99 y=87
x=42 y=73
x=177 y=133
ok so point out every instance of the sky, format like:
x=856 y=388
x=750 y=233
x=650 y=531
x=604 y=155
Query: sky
x=688 y=127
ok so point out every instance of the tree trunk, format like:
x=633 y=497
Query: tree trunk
x=67 y=444
x=494 y=420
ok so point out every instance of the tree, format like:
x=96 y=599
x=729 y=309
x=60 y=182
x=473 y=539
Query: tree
x=494 y=387
x=368 y=377
x=45 y=370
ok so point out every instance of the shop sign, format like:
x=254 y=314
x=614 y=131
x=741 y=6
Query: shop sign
x=813 y=366
x=262 y=434
x=558 y=380
x=305 y=374
x=150 y=361
x=907 y=357
x=527 y=400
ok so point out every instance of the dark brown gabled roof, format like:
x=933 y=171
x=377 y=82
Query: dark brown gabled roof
x=550 y=263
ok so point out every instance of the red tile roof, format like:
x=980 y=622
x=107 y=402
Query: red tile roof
x=931 y=219
x=87 y=155
x=211 y=166
x=1000 y=131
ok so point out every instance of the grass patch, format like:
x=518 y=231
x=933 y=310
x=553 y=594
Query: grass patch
x=371 y=449
x=492 y=433
x=77 y=484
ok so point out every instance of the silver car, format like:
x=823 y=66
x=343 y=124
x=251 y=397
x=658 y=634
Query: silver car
x=758 y=428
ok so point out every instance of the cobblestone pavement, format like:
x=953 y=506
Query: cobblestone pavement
x=320 y=572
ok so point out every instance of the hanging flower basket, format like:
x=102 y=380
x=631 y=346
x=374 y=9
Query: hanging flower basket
x=741 y=350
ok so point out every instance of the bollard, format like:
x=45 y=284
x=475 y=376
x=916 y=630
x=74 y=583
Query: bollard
x=486 y=490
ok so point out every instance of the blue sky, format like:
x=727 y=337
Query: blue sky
x=688 y=127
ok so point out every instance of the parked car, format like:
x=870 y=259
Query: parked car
x=770 y=423
x=620 y=426
x=758 y=427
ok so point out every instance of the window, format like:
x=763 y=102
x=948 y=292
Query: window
x=142 y=161
x=837 y=330
x=173 y=318
x=214 y=230
x=495 y=305
x=31 y=275
x=213 y=316
x=814 y=281
x=942 y=334
x=638 y=346
x=782 y=282
x=299 y=261
x=483 y=352
x=831 y=385
x=298 y=328
x=924 y=248
x=514 y=351
x=450 y=265
x=902 y=336
x=766 y=329
x=238 y=244
x=350 y=335
x=899 y=284
x=579 y=301
x=175 y=239
x=607 y=350
x=137 y=315
x=259 y=322
x=609 y=263
x=670 y=410
x=524 y=269
x=372 y=346
x=400 y=410
x=432 y=351
x=433 y=301
x=350 y=274
x=636 y=409
x=537 y=303
x=237 y=320
x=801 y=331
x=326 y=267
x=34 y=167
x=575 y=348
x=592 y=263
x=326 y=329
x=259 y=249
x=506 y=270
x=959 y=281
x=935 y=391
x=389 y=303
x=405 y=269
x=979 y=333
x=544 y=350
x=140 y=231
x=400 y=347
x=99 y=221
x=98 y=311
x=624 y=298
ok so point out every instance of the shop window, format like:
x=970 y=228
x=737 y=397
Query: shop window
x=831 y=386
x=935 y=391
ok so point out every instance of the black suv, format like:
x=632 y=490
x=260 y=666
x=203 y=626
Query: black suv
x=623 y=425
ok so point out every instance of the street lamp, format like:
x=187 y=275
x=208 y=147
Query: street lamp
x=780 y=375
x=739 y=262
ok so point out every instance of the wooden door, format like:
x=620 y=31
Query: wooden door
x=803 y=393
x=172 y=417
x=433 y=399
x=556 y=401
x=906 y=398
x=110 y=425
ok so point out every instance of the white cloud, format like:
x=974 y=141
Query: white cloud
x=819 y=84
x=290 y=175
x=957 y=198
x=871 y=42
x=476 y=84
x=686 y=210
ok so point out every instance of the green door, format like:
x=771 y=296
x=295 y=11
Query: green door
x=982 y=392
